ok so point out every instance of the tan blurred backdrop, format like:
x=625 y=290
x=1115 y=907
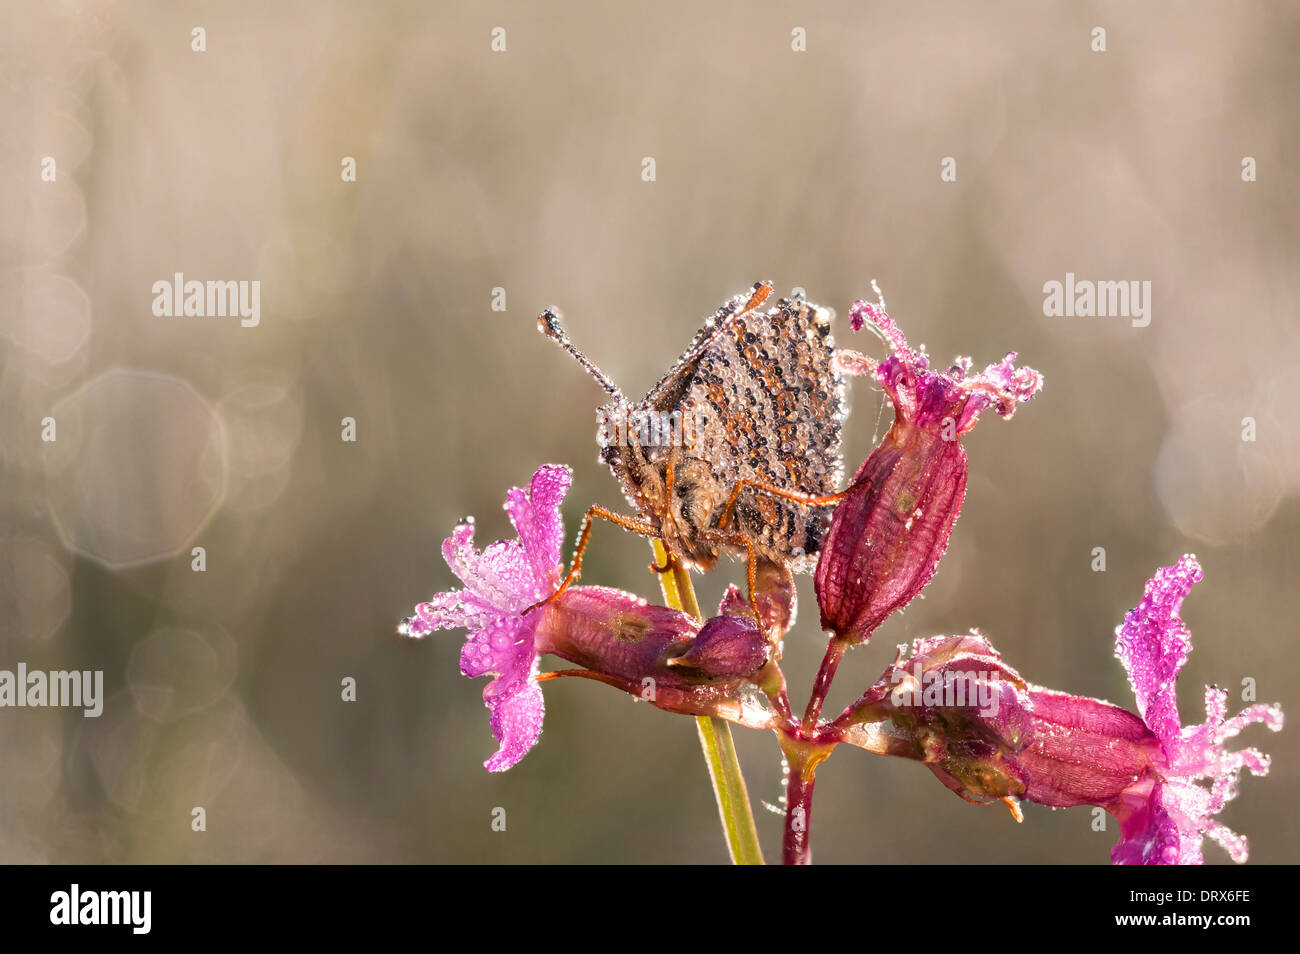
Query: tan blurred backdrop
x=522 y=170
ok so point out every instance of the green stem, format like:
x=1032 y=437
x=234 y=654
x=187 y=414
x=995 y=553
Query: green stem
x=715 y=735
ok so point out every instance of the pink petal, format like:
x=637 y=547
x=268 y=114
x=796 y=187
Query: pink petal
x=1153 y=644
x=535 y=514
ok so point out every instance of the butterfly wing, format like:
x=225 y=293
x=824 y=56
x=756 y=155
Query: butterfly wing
x=768 y=406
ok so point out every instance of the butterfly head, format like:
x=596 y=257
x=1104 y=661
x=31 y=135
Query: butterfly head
x=612 y=419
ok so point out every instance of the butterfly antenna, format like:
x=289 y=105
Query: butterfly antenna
x=548 y=323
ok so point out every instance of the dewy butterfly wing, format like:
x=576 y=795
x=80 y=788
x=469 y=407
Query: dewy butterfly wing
x=768 y=402
x=756 y=399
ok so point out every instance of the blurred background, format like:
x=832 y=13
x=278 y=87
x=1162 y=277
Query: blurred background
x=522 y=170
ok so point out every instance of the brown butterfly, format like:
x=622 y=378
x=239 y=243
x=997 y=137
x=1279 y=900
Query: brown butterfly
x=737 y=448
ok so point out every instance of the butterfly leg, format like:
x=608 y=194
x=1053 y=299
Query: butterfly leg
x=575 y=565
x=807 y=500
x=735 y=538
x=670 y=481
x=619 y=520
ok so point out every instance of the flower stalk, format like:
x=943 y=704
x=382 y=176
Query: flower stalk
x=715 y=734
x=796 y=840
x=835 y=649
x=801 y=758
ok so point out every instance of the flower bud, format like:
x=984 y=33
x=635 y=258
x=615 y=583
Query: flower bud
x=775 y=594
x=728 y=647
x=989 y=735
x=658 y=654
x=887 y=536
x=956 y=707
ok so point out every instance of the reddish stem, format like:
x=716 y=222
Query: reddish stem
x=802 y=758
x=804 y=752
x=796 y=843
x=821 y=686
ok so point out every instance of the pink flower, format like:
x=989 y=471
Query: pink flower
x=659 y=654
x=500 y=583
x=1165 y=819
x=1004 y=738
x=887 y=537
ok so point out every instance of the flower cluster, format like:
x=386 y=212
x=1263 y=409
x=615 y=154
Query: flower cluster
x=950 y=703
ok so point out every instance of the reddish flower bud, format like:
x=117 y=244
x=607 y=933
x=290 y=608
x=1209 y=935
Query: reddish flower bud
x=886 y=538
x=775 y=594
x=728 y=647
x=658 y=654
x=988 y=735
x=956 y=707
